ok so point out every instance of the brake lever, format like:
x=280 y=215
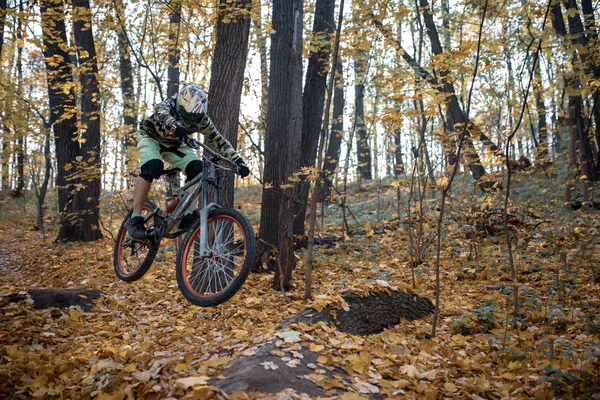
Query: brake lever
x=190 y=142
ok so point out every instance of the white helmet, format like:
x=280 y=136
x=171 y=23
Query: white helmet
x=192 y=102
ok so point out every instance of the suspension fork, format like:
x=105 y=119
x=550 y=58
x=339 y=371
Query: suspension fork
x=207 y=178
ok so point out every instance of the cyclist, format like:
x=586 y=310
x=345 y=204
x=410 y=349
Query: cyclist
x=160 y=139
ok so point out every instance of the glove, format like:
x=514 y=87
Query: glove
x=179 y=130
x=241 y=168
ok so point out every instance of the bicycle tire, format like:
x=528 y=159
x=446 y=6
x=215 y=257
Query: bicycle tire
x=225 y=250
x=120 y=263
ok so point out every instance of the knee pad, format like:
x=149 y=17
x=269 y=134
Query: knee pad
x=193 y=169
x=152 y=170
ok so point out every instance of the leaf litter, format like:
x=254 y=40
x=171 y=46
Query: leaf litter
x=144 y=340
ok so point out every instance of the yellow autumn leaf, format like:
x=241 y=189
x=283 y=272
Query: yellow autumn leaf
x=188 y=382
x=216 y=362
x=509 y=376
x=450 y=387
x=353 y=396
x=118 y=395
x=459 y=340
x=130 y=368
x=410 y=370
x=14 y=352
x=181 y=367
x=514 y=365
x=316 y=347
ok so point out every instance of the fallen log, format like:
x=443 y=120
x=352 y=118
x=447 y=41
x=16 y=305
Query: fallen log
x=59 y=298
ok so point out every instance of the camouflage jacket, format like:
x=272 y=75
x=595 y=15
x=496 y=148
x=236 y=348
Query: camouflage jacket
x=159 y=126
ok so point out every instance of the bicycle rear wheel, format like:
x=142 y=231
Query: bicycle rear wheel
x=208 y=281
x=132 y=258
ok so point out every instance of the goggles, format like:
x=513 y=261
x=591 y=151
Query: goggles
x=196 y=118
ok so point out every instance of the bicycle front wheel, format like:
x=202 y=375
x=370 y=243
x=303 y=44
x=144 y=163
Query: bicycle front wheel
x=132 y=259
x=208 y=281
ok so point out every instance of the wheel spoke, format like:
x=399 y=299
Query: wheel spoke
x=133 y=258
x=208 y=276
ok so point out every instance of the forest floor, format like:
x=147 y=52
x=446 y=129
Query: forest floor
x=143 y=340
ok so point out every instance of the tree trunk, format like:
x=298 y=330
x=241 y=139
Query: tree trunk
x=59 y=298
x=2 y=23
x=455 y=111
x=90 y=117
x=129 y=100
x=227 y=74
x=398 y=160
x=174 y=48
x=20 y=140
x=5 y=157
x=44 y=187
x=4 y=127
x=446 y=23
x=363 y=152
x=332 y=157
x=63 y=114
x=558 y=24
x=313 y=100
x=261 y=44
x=20 y=149
x=283 y=137
x=542 y=145
x=423 y=151
x=583 y=137
x=173 y=51
x=593 y=42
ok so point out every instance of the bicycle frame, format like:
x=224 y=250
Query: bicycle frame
x=211 y=175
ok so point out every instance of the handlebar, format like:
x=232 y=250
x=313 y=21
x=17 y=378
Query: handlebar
x=194 y=144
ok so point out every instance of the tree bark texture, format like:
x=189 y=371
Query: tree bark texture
x=363 y=152
x=4 y=129
x=227 y=74
x=129 y=102
x=63 y=115
x=90 y=117
x=261 y=45
x=542 y=147
x=5 y=156
x=283 y=137
x=2 y=23
x=332 y=156
x=313 y=100
x=20 y=150
x=398 y=160
x=174 y=48
x=47 y=169
x=20 y=147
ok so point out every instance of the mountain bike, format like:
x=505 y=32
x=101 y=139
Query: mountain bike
x=215 y=256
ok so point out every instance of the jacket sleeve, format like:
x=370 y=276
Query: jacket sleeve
x=221 y=145
x=163 y=117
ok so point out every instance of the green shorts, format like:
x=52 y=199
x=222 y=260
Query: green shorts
x=177 y=156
